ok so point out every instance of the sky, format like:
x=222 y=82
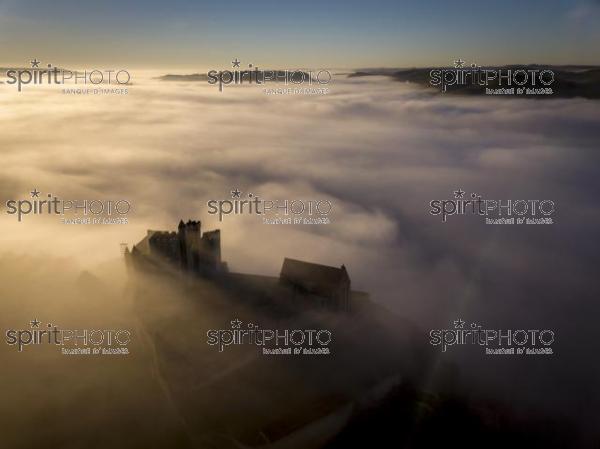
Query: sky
x=344 y=34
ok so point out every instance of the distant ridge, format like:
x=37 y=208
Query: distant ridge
x=571 y=81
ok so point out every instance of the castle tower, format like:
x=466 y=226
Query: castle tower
x=182 y=247
x=211 y=250
x=189 y=235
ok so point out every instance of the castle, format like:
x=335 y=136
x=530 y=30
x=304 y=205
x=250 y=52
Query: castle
x=199 y=254
x=329 y=286
x=187 y=249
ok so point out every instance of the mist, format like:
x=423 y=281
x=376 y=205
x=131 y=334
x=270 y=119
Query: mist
x=380 y=152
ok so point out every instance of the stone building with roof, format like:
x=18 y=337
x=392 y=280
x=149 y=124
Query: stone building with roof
x=302 y=284
x=327 y=286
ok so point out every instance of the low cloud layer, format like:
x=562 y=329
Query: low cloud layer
x=380 y=152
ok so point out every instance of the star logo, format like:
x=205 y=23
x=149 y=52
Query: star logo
x=235 y=62
x=35 y=63
x=235 y=193
x=459 y=63
x=459 y=324
x=460 y=193
x=236 y=324
x=35 y=323
x=35 y=193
